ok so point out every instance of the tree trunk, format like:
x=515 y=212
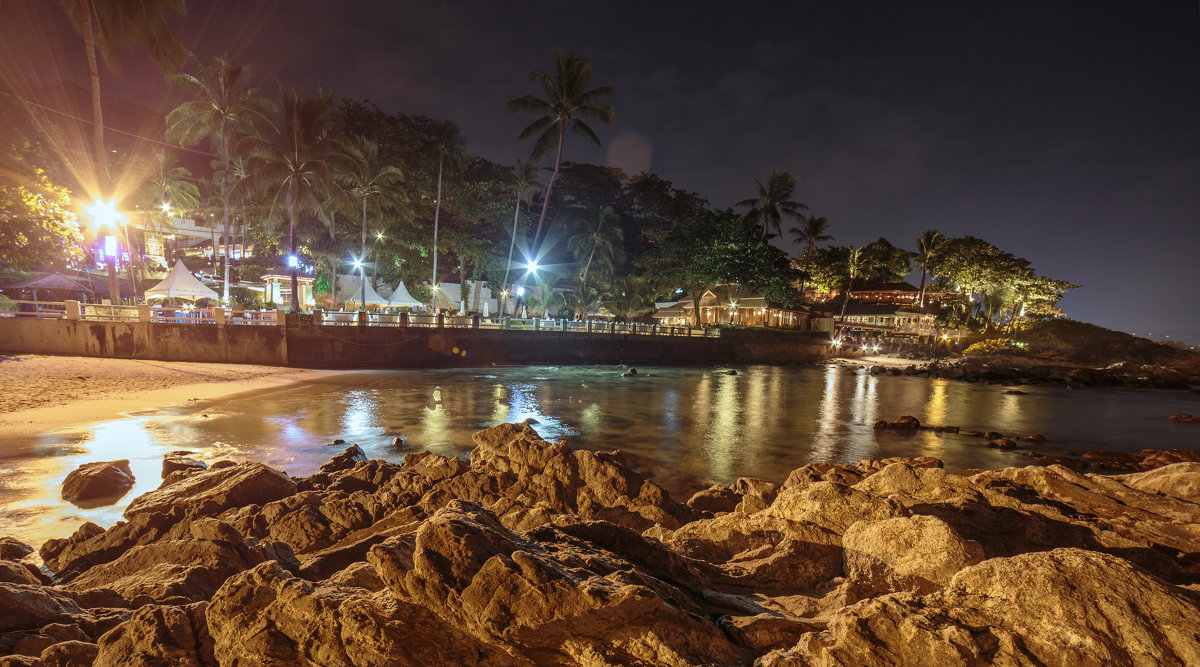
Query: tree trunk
x=437 y=209
x=588 y=265
x=511 y=244
x=89 y=44
x=225 y=205
x=562 y=129
x=291 y=203
x=921 y=297
x=362 y=259
x=696 y=304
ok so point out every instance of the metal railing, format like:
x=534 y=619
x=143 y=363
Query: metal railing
x=53 y=310
x=74 y=310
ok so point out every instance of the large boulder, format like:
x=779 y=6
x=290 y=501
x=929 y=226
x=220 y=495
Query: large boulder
x=211 y=492
x=159 y=635
x=267 y=616
x=27 y=607
x=549 y=597
x=13 y=549
x=98 y=482
x=918 y=554
x=1061 y=607
x=71 y=653
x=1180 y=480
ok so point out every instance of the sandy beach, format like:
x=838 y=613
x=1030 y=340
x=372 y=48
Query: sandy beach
x=45 y=392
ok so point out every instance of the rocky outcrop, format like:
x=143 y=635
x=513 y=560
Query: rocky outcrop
x=101 y=482
x=12 y=549
x=1062 y=607
x=533 y=553
x=216 y=490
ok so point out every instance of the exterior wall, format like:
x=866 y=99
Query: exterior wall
x=385 y=347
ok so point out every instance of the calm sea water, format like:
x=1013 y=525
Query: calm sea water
x=685 y=427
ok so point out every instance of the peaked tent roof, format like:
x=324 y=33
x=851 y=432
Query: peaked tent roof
x=179 y=283
x=52 y=281
x=348 y=289
x=401 y=298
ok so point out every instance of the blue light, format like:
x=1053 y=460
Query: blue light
x=521 y=291
x=293 y=262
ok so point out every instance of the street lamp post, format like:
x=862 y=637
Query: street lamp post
x=105 y=215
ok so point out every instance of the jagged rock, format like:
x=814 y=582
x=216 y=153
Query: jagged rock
x=531 y=471
x=159 y=635
x=211 y=492
x=100 y=481
x=1062 y=607
x=28 y=607
x=173 y=463
x=267 y=616
x=904 y=423
x=398 y=443
x=714 y=499
x=918 y=554
x=573 y=603
x=1181 y=480
x=192 y=569
x=13 y=549
x=345 y=461
x=12 y=572
x=71 y=653
x=1003 y=443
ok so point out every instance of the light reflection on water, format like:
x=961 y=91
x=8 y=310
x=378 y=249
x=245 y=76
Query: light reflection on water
x=686 y=427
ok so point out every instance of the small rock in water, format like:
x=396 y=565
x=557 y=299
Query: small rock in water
x=1184 y=418
x=731 y=372
x=338 y=441
x=530 y=421
x=398 y=442
x=631 y=371
x=100 y=480
x=1015 y=392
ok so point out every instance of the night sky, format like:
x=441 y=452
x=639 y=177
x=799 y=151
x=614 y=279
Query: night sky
x=1067 y=133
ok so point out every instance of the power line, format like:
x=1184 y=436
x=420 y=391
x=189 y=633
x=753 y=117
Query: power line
x=113 y=129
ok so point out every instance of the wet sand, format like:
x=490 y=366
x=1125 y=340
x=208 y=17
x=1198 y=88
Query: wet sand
x=39 y=393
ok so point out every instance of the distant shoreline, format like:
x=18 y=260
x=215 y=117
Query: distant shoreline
x=42 y=393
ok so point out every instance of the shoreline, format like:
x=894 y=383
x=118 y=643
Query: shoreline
x=50 y=395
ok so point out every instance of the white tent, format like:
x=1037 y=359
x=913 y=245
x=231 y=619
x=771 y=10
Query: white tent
x=348 y=290
x=402 y=299
x=179 y=283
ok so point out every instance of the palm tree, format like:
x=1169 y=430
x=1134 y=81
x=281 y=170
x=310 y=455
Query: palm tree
x=927 y=252
x=601 y=241
x=371 y=183
x=221 y=112
x=108 y=24
x=293 y=159
x=452 y=150
x=630 y=296
x=567 y=102
x=811 y=233
x=167 y=189
x=526 y=175
x=771 y=205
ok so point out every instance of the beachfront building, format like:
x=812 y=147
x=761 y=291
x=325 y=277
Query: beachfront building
x=278 y=289
x=728 y=303
x=874 y=292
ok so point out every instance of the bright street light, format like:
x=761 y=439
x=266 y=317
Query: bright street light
x=532 y=265
x=293 y=262
x=166 y=208
x=104 y=213
x=521 y=291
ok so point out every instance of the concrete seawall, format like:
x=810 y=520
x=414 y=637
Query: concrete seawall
x=304 y=346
